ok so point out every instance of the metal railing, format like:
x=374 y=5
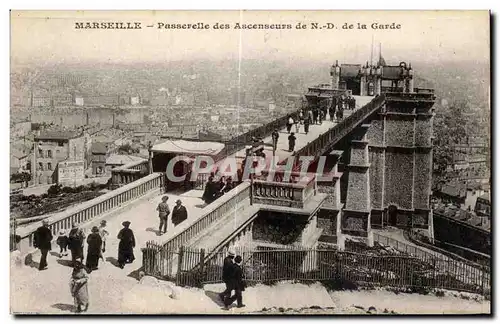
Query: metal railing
x=463 y=270
x=295 y=263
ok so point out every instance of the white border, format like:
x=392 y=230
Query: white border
x=213 y=4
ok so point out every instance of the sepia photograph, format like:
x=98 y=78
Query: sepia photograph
x=250 y=162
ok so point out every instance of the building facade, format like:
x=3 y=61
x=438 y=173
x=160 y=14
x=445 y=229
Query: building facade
x=53 y=147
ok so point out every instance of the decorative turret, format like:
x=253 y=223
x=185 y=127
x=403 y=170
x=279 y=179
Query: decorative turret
x=335 y=74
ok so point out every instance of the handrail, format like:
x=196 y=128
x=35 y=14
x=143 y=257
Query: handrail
x=130 y=165
x=95 y=207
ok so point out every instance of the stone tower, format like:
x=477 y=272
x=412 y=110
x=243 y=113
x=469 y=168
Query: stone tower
x=335 y=74
x=390 y=169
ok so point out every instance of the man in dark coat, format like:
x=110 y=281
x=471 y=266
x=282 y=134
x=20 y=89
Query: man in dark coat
x=94 y=243
x=126 y=245
x=41 y=240
x=275 y=135
x=75 y=243
x=307 y=122
x=315 y=115
x=227 y=269
x=237 y=284
x=179 y=214
x=209 y=193
x=291 y=142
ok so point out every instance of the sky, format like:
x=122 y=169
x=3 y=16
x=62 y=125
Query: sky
x=45 y=37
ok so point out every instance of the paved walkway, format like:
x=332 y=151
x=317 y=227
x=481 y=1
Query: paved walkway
x=315 y=130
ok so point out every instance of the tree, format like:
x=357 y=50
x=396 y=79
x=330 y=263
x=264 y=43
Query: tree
x=453 y=125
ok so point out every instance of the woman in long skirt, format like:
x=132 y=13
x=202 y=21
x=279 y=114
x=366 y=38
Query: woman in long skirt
x=94 y=242
x=79 y=287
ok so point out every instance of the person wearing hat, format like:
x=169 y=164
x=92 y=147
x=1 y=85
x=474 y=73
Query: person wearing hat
x=76 y=238
x=94 y=243
x=179 y=214
x=275 y=136
x=163 y=212
x=126 y=245
x=62 y=241
x=227 y=274
x=210 y=190
x=79 y=287
x=291 y=142
x=104 y=234
x=237 y=283
x=41 y=240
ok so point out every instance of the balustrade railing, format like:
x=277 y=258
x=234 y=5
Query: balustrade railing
x=90 y=209
x=284 y=194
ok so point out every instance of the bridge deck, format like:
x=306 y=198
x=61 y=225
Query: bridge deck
x=303 y=139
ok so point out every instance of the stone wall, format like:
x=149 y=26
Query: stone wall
x=399 y=179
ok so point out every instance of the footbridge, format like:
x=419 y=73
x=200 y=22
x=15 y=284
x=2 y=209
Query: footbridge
x=370 y=152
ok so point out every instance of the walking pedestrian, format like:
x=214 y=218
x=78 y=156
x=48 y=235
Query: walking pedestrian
x=79 y=287
x=237 y=284
x=179 y=214
x=42 y=239
x=227 y=269
x=126 y=245
x=291 y=142
x=315 y=115
x=275 y=136
x=62 y=241
x=163 y=212
x=289 y=124
x=94 y=245
x=331 y=112
x=307 y=121
x=76 y=239
x=103 y=232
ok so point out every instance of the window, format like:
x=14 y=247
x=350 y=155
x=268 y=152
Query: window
x=60 y=143
x=40 y=153
x=40 y=166
x=49 y=166
x=49 y=153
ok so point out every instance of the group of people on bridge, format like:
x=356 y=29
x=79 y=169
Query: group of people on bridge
x=179 y=214
x=214 y=190
x=96 y=247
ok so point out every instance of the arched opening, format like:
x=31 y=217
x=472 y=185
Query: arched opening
x=392 y=212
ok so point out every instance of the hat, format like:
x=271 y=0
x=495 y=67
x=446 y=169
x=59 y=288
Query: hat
x=103 y=222
x=95 y=229
x=178 y=201
x=77 y=265
x=126 y=223
x=62 y=232
x=45 y=222
x=75 y=225
x=230 y=252
x=164 y=198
